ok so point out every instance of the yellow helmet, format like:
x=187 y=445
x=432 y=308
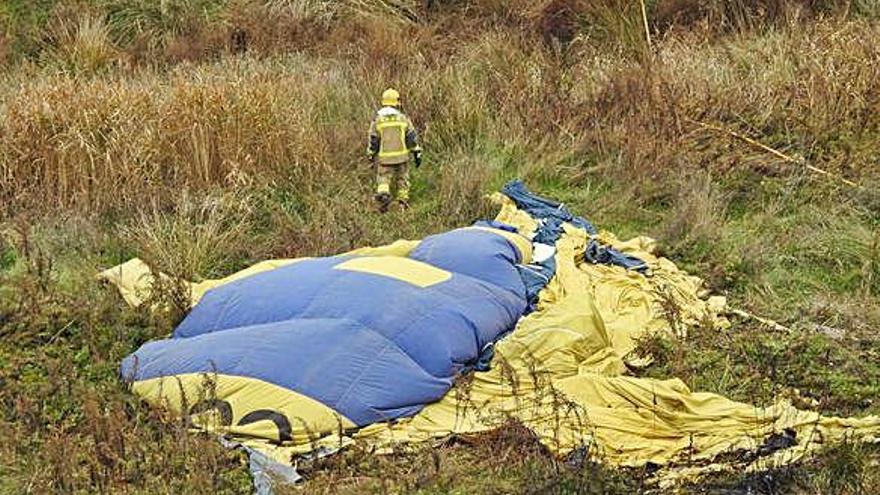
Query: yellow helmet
x=390 y=97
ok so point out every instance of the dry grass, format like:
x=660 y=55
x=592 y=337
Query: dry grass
x=100 y=142
x=698 y=212
x=96 y=143
x=510 y=459
x=67 y=427
x=208 y=135
x=79 y=44
x=197 y=238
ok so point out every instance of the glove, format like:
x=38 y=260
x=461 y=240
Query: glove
x=417 y=158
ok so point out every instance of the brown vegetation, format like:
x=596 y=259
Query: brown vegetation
x=206 y=135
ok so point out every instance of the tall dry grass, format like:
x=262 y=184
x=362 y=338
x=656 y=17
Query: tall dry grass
x=79 y=44
x=197 y=238
x=117 y=140
x=151 y=33
x=95 y=142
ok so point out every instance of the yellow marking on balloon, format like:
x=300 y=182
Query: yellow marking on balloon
x=403 y=269
x=243 y=395
x=523 y=245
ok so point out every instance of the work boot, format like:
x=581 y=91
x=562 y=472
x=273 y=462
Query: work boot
x=404 y=204
x=384 y=200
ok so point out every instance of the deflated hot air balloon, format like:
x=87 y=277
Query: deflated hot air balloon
x=541 y=309
x=351 y=339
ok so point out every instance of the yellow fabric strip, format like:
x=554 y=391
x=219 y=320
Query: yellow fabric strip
x=135 y=279
x=404 y=269
x=234 y=398
x=523 y=245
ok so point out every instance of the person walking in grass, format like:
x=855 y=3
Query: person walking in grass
x=392 y=140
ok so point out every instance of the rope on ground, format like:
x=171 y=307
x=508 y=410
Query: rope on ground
x=749 y=316
x=772 y=151
x=645 y=22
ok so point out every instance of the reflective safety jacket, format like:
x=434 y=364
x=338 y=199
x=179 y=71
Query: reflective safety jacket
x=392 y=137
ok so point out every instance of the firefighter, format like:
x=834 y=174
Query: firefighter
x=393 y=138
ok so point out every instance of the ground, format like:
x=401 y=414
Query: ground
x=206 y=135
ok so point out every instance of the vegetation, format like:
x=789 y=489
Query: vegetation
x=206 y=135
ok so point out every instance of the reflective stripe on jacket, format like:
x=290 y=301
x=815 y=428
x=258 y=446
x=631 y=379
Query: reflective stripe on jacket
x=392 y=137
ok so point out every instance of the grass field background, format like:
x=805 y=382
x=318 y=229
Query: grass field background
x=206 y=135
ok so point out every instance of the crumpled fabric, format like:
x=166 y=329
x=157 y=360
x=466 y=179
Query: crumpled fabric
x=597 y=253
x=551 y=212
x=564 y=372
x=552 y=216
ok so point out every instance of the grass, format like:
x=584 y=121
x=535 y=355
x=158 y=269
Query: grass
x=508 y=460
x=205 y=136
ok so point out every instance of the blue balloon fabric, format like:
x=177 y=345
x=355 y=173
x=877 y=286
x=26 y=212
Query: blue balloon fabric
x=371 y=346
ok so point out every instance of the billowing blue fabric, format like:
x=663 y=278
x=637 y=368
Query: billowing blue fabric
x=552 y=214
x=547 y=210
x=477 y=253
x=369 y=346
